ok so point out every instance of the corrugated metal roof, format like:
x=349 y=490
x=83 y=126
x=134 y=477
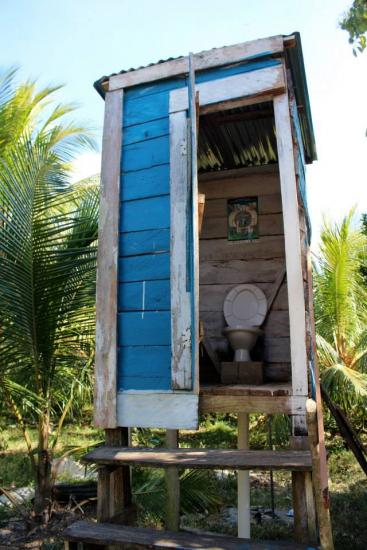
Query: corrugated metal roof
x=237 y=138
x=266 y=147
x=98 y=83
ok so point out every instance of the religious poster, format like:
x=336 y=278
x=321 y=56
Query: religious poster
x=243 y=219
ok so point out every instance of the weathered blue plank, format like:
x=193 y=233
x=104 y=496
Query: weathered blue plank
x=144 y=242
x=145 y=183
x=144 y=154
x=153 y=88
x=148 y=267
x=238 y=68
x=148 y=328
x=145 y=109
x=145 y=361
x=147 y=295
x=148 y=130
x=139 y=215
x=152 y=360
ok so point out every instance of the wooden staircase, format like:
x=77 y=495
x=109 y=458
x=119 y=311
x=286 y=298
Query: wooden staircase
x=114 y=494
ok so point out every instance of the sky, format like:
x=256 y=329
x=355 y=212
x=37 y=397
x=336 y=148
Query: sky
x=74 y=42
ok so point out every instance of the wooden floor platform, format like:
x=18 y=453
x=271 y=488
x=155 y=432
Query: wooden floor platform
x=108 y=533
x=235 y=459
x=266 y=398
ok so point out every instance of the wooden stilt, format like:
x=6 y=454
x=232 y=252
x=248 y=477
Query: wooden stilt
x=299 y=507
x=311 y=510
x=322 y=504
x=114 y=497
x=172 y=480
x=303 y=498
x=114 y=487
x=243 y=479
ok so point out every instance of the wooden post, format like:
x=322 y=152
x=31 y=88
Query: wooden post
x=293 y=255
x=172 y=480
x=323 y=512
x=296 y=292
x=105 y=386
x=114 y=487
x=311 y=510
x=243 y=480
x=303 y=499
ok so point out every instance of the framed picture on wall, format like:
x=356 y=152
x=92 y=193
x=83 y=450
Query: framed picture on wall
x=243 y=219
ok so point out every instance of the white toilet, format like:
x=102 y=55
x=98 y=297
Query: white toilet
x=244 y=311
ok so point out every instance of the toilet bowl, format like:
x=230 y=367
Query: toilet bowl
x=244 y=311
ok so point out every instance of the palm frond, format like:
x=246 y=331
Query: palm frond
x=346 y=386
x=341 y=296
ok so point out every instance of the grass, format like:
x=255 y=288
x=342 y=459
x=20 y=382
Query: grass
x=348 y=484
x=15 y=468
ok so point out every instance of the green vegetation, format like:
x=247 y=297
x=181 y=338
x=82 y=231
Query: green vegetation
x=355 y=23
x=47 y=262
x=341 y=313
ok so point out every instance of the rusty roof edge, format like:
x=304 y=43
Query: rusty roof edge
x=99 y=84
x=294 y=53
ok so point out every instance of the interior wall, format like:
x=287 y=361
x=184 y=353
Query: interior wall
x=225 y=264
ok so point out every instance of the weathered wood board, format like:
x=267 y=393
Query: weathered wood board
x=236 y=459
x=107 y=533
x=225 y=264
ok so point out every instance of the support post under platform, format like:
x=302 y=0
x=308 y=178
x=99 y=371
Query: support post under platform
x=243 y=479
x=172 y=480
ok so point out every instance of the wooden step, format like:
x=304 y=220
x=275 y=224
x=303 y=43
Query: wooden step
x=235 y=459
x=109 y=533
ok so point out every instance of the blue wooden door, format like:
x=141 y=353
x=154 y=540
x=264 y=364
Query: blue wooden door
x=158 y=271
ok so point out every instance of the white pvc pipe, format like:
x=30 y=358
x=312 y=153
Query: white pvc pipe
x=243 y=480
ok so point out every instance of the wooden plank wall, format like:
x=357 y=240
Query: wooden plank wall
x=225 y=264
x=144 y=326
x=144 y=316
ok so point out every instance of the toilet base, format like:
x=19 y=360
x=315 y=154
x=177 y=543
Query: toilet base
x=242 y=355
x=242 y=372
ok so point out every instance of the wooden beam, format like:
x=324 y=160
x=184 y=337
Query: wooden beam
x=203 y=60
x=181 y=305
x=193 y=275
x=107 y=533
x=120 y=492
x=114 y=497
x=172 y=482
x=243 y=480
x=251 y=404
x=225 y=118
x=105 y=387
x=295 y=285
x=323 y=512
x=324 y=475
x=201 y=458
x=253 y=84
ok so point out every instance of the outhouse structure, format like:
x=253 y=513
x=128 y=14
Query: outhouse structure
x=204 y=230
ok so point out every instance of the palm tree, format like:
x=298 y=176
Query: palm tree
x=48 y=235
x=341 y=312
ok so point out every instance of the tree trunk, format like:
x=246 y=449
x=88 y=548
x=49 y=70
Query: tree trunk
x=42 y=500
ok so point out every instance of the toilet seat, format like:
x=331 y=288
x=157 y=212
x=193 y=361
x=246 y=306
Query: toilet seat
x=245 y=306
